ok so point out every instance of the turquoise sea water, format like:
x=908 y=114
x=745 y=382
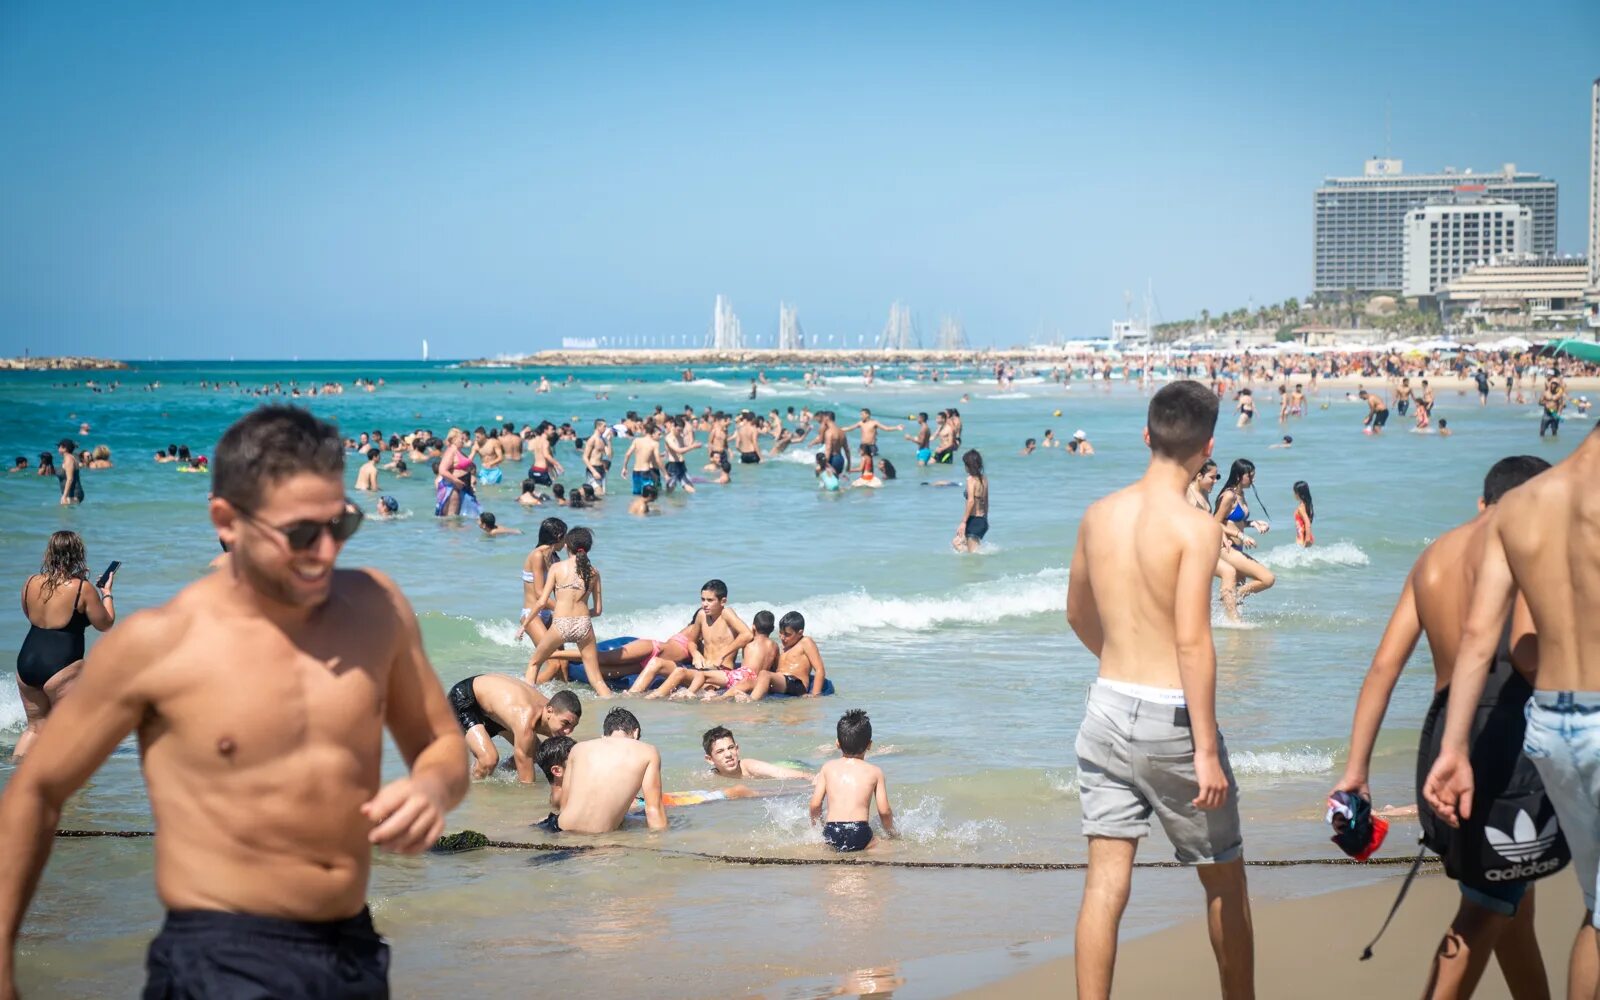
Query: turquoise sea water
x=973 y=681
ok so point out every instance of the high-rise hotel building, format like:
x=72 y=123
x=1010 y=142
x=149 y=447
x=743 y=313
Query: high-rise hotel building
x=1358 y=229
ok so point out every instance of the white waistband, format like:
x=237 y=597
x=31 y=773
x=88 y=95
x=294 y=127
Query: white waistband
x=1144 y=692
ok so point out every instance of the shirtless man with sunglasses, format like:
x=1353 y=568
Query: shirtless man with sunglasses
x=260 y=714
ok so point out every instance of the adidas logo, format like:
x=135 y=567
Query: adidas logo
x=1524 y=842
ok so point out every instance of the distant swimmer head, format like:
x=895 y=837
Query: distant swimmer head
x=974 y=462
x=388 y=505
x=529 y=486
x=562 y=713
x=1241 y=473
x=1180 y=422
x=854 y=733
x=1288 y=439
x=552 y=530
x=620 y=720
x=886 y=469
x=1509 y=473
x=552 y=756
x=762 y=623
x=486 y=521
x=650 y=492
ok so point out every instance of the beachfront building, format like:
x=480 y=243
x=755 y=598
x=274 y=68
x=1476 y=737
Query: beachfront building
x=1358 y=222
x=1594 y=192
x=1445 y=237
x=1526 y=292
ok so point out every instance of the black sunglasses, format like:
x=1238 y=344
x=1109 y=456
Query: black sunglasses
x=301 y=535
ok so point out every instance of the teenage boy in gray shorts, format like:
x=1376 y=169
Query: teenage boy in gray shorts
x=1139 y=598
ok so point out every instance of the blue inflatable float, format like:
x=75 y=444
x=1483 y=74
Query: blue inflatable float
x=578 y=675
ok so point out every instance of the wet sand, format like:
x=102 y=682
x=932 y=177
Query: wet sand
x=1310 y=948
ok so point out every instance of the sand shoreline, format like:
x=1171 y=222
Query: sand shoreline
x=1309 y=947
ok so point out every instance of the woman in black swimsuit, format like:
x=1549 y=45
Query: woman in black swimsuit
x=70 y=474
x=59 y=609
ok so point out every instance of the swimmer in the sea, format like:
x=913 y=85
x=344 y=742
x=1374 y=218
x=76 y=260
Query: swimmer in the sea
x=920 y=437
x=601 y=779
x=800 y=672
x=722 y=753
x=1199 y=497
x=716 y=635
x=644 y=503
x=488 y=525
x=1287 y=442
x=367 y=476
x=1304 y=515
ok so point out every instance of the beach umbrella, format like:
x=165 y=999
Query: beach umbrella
x=1583 y=350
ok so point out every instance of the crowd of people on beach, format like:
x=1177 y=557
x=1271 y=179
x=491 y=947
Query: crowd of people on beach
x=1149 y=744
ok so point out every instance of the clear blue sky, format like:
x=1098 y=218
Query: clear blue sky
x=342 y=180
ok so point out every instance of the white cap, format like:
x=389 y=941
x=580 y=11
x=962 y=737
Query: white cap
x=1079 y=435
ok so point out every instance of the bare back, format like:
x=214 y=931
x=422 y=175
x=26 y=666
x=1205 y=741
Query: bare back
x=1132 y=546
x=601 y=780
x=850 y=785
x=1442 y=584
x=1550 y=530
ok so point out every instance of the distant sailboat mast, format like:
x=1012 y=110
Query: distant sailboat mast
x=424 y=348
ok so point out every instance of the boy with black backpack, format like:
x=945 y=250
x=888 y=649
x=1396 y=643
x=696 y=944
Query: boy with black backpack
x=1514 y=837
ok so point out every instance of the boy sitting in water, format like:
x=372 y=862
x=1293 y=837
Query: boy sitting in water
x=722 y=753
x=640 y=505
x=850 y=786
x=756 y=669
x=800 y=672
x=486 y=521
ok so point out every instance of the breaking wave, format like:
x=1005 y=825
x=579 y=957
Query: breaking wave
x=1294 y=557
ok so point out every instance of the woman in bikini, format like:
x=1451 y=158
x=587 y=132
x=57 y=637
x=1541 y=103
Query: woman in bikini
x=974 y=522
x=574 y=588
x=1233 y=513
x=536 y=617
x=454 y=494
x=1303 y=516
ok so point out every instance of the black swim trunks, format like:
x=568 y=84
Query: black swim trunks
x=836 y=462
x=869 y=449
x=977 y=526
x=943 y=457
x=209 y=953
x=469 y=713
x=847 y=837
x=794 y=686
x=749 y=458
x=1380 y=418
x=552 y=823
x=540 y=476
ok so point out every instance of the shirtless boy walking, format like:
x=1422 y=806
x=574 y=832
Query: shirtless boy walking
x=851 y=787
x=1493 y=918
x=263 y=763
x=1139 y=598
x=1544 y=540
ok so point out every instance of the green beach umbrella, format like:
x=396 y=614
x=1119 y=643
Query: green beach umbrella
x=1583 y=350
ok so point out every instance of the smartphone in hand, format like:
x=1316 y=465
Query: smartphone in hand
x=115 y=565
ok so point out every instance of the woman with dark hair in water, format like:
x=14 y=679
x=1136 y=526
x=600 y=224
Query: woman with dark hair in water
x=1199 y=496
x=71 y=473
x=1304 y=515
x=574 y=588
x=1233 y=513
x=536 y=617
x=974 y=523
x=59 y=609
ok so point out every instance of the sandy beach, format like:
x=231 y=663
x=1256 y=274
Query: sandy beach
x=1310 y=948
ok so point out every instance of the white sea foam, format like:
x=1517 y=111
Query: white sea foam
x=1008 y=395
x=922 y=822
x=795 y=454
x=1294 y=557
x=832 y=616
x=1306 y=760
x=12 y=717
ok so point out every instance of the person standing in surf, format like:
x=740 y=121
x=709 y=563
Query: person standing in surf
x=1139 y=599
x=260 y=713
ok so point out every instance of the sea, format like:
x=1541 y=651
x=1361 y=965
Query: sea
x=974 y=683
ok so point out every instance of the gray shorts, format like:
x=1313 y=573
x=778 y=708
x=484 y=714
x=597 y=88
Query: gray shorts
x=1136 y=757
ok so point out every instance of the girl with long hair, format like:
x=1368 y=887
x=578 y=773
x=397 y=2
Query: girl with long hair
x=574 y=588
x=59 y=609
x=1199 y=497
x=974 y=523
x=1233 y=513
x=535 y=616
x=1303 y=516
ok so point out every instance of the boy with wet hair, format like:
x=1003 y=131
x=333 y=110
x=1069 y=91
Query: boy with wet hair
x=716 y=635
x=602 y=778
x=552 y=760
x=850 y=787
x=722 y=753
x=1139 y=599
x=799 y=672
